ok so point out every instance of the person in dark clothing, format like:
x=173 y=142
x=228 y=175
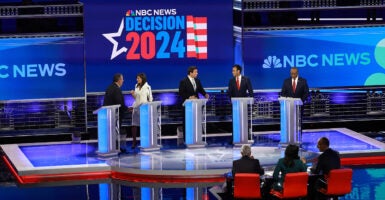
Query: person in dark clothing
x=189 y=88
x=291 y=163
x=247 y=163
x=239 y=86
x=328 y=160
x=114 y=96
x=295 y=86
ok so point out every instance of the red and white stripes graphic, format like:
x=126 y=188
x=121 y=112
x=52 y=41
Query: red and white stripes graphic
x=196 y=37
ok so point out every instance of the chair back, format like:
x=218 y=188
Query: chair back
x=295 y=185
x=247 y=185
x=339 y=182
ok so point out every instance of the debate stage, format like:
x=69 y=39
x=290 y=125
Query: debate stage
x=66 y=162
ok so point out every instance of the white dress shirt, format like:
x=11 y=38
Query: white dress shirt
x=192 y=80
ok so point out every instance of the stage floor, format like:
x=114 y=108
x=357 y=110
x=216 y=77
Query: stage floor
x=55 y=162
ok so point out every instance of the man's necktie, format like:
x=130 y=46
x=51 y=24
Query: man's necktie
x=194 y=85
x=238 y=85
x=294 y=86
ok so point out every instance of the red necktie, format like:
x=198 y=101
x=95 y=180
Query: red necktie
x=238 y=86
x=294 y=85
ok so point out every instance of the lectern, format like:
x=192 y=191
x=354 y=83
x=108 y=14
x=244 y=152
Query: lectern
x=150 y=126
x=195 y=122
x=242 y=126
x=108 y=130
x=290 y=121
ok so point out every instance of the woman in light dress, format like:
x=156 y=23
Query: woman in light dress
x=141 y=94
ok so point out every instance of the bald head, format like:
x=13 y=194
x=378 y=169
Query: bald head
x=323 y=144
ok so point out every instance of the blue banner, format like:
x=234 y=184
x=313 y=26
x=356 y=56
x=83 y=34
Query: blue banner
x=160 y=38
x=335 y=57
x=41 y=68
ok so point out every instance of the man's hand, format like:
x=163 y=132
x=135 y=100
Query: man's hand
x=207 y=96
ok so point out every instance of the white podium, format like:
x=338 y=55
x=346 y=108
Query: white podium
x=195 y=122
x=150 y=126
x=290 y=121
x=242 y=126
x=108 y=130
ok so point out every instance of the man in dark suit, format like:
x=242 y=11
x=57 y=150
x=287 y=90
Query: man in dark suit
x=295 y=86
x=189 y=88
x=114 y=96
x=239 y=86
x=328 y=160
x=246 y=164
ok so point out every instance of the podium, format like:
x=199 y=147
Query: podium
x=195 y=121
x=108 y=130
x=242 y=127
x=290 y=121
x=150 y=126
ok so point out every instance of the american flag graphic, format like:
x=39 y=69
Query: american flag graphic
x=197 y=37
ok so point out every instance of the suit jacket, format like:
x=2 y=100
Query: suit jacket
x=114 y=96
x=327 y=161
x=243 y=89
x=247 y=165
x=186 y=88
x=301 y=91
x=298 y=166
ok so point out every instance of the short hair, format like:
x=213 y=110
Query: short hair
x=143 y=77
x=245 y=150
x=325 y=141
x=191 y=69
x=294 y=67
x=117 y=77
x=238 y=67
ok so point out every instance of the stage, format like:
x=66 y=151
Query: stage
x=66 y=162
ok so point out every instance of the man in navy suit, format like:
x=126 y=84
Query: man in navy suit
x=239 y=86
x=295 y=86
x=189 y=88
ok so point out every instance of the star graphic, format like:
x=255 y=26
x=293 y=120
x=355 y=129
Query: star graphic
x=110 y=37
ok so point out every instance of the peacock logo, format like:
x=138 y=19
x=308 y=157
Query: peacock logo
x=272 y=62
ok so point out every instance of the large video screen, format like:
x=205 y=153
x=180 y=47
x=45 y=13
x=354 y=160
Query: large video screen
x=334 y=57
x=41 y=68
x=161 y=38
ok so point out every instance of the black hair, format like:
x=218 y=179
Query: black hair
x=291 y=153
x=144 y=79
x=191 y=69
x=238 y=67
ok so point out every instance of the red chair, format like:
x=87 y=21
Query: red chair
x=338 y=183
x=247 y=186
x=294 y=186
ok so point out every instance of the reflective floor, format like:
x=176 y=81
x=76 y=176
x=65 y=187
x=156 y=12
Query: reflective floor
x=216 y=158
x=368 y=184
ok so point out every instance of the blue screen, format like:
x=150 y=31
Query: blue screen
x=160 y=38
x=335 y=57
x=40 y=68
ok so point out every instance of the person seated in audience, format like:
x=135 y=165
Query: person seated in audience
x=328 y=160
x=291 y=163
x=246 y=164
